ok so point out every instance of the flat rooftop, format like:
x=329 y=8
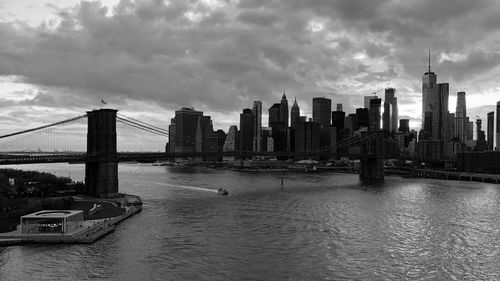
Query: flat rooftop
x=52 y=214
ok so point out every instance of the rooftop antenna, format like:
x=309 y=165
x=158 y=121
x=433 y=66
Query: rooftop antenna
x=429 y=61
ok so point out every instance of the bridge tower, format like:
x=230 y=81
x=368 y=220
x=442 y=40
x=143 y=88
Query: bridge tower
x=372 y=166
x=101 y=164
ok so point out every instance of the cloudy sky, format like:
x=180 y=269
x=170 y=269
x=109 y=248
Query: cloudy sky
x=149 y=58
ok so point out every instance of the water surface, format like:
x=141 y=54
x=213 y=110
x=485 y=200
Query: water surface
x=321 y=226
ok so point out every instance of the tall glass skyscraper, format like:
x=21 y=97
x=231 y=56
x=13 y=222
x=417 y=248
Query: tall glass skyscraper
x=186 y=124
x=490 y=129
x=322 y=110
x=429 y=93
x=498 y=127
x=390 y=115
x=460 y=116
x=257 y=125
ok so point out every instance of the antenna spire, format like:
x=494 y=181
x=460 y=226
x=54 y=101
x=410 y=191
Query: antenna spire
x=429 y=61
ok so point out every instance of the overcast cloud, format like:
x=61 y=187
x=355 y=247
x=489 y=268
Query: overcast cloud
x=149 y=58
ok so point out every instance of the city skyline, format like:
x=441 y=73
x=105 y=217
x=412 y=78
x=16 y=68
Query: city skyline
x=151 y=58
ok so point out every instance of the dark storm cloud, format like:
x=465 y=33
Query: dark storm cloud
x=222 y=56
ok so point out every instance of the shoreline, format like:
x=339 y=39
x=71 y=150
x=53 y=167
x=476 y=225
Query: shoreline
x=403 y=172
x=90 y=231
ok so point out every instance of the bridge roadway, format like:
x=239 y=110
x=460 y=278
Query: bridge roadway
x=81 y=157
x=10 y=158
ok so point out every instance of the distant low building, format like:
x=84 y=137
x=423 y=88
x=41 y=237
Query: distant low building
x=52 y=221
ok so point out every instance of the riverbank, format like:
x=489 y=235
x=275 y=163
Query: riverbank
x=95 y=226
x=393 y=171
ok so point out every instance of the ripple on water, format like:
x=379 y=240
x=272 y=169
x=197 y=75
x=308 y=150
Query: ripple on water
x=314 y=227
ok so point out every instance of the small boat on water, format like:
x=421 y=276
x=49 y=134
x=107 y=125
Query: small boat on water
x=222 y=191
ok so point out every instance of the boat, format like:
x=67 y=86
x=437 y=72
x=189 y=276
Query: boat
x=222 y=191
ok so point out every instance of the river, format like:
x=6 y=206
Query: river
x=319 y=226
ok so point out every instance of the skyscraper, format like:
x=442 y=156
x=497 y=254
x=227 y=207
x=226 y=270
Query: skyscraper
x=460 y=115
x=490 y=128
x=374 y=114
x=284 y=110
x=338 y=119
x=246 y=130
x=322 y=108
x=480 y=139
x=339 y=107
x=204 y=128
x=363 y=117
x=171 y=136
x=232 y=142
x=440 y=113
x=390 y=116
x=429 y=92
x=469 y=129
x=498 y=127
x=257 y=125
x=294 y=113
x=404 y=125
x=186 y=123
x=368 y=99
x=274 y=115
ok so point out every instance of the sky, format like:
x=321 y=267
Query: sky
x=149 y=58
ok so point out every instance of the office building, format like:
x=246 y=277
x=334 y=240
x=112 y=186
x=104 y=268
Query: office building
x=294 y=114
x=246 y=130
x=232 y=141
x=367 y=100
x=469 y=129
x=480 y=137
x=204 y=128
x=267 y=139
x=374 y=114
x=440 y=113
x=215 y=143
x=490 y=129
x=278 y=121
x=171 y=136
x=257 y=125
x=186 y=124
x=460 y=116
x=350 y=122
x=274 y=115
x=497 y=147
x=362 y=115
x=339 y=107
x=322 y=108
x=307 y=136
x=284 y=111
x=338 y=119
x=390 y=116
x=404 y=125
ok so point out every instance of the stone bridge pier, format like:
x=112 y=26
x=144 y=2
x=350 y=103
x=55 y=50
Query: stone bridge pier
x=372 y=166
x=101 y=164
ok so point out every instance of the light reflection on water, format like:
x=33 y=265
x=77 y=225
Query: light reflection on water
x=315 y=226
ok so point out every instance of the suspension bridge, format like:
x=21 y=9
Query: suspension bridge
x=91 y=138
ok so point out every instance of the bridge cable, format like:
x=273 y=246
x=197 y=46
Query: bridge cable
x=43 y=127
x=142 y=123
x=141 y=127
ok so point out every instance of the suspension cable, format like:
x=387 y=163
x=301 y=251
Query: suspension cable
x=43 y=127
x=143 y=123
x=141 y=127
